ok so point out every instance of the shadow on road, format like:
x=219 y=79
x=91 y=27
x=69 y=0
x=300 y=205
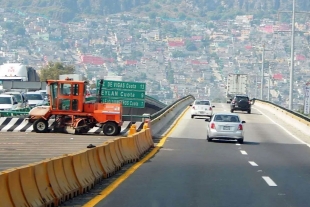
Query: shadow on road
x=235 y=142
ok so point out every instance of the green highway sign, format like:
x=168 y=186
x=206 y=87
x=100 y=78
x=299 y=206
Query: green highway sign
x=125 y=102
x=131 y=94
x=123 y=94
x=121 y=85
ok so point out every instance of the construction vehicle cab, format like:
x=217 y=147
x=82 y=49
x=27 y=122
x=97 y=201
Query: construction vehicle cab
x=72 y=113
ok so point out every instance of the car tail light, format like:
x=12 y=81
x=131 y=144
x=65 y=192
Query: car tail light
x=249 y=102
x=212 y=126
x=240 y=127
x=210 y=109
x=193 y=107
x=233 y=102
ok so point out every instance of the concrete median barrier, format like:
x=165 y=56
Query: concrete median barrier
x=53 y=181
x=163 y=122
x=124 y=150
x=29 y=186
x=15 y=188
x=103 y=161
x=82 y=171
x=300 y=123
x=108 y=156
x=118 y=149
x=111 y=147
x=66 y=189
x=133 y=148
x=5 y=200
x=67 y=161
x=95 y=165
x=43 y=184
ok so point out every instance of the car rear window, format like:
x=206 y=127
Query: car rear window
x=202 y=103
x=242 y=98
x=226 y=118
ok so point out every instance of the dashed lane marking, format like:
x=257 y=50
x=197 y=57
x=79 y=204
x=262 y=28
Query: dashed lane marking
x=269 y=181
x=253 y=163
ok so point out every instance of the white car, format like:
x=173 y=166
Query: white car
x=35 y=99
x=7 y=102
x=44 y=93
x=22 y=101
x=201 y=108
x=225 y=126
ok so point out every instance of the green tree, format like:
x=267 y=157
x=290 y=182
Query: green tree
x=54 y=69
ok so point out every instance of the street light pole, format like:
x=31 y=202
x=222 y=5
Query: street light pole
x=269 y=79
x=256 y=86
x=292 y=59
x=262 y=78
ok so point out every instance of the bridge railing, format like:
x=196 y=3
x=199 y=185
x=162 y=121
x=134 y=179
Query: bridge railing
x=302 y=116
x=163 y=110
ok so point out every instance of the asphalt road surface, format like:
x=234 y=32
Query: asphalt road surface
x=271 y=169
x=22 y=148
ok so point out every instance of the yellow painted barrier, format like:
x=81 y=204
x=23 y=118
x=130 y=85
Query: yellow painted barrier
x=16 y=190
x=148 y=135
x=95 y=164
x=103 y=161
x=82 y=171
x=107 y=153
x=124 y=149
x=70 y=175
x=114 y=156
x=132 y=130
x=29 y=186
x=138 y=144
x=146 y=143
x=43 y=184
x=67 y=190
x=53 y=181
x=133 y=147
x=118 y=150
x=5 y=200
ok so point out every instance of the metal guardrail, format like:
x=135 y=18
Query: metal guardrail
x=155 y=115
x=306 y=118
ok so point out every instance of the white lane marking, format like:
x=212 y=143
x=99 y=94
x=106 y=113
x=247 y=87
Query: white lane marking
x=288 y=132
x=237 y=144
x=253 y=163
x=269 y=181
x=243 y=152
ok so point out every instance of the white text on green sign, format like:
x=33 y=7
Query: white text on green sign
x=124 y=85
x=123 y=94
x=125 y=103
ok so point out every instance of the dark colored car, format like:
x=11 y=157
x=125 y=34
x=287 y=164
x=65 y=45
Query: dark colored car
x=240 y=103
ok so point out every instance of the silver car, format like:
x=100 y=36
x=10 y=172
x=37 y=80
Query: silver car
x=227 y=126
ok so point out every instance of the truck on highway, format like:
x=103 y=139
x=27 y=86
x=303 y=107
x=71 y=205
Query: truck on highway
x=236 y=85
x=17 y=72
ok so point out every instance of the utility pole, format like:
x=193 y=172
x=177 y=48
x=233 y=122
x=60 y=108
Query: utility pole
x=262 y=78
x=269 y=79
x=292 y=66
x=255 y=85
x=290 y=106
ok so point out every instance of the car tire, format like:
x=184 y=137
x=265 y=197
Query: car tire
x=209 y=139
x=231 y=110
x=249 y=111
x=192 y=116
x=40 y=126
x=240 y=141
